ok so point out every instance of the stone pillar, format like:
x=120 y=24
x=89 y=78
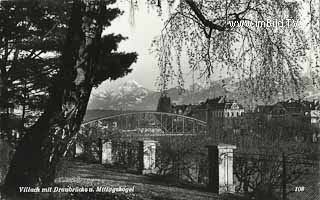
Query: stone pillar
x=147 y=156
x=220 y=159
x=78 y=149
x=106 y=151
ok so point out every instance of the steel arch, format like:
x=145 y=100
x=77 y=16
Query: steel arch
x=146 y=123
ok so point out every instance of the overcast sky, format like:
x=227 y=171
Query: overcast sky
x=146 y=27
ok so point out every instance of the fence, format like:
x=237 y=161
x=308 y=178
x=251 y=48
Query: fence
x=261 y=173
x=277 y=176
x=184 y=160
x=125 y=154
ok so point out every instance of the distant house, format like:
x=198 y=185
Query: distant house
x=291 y=108
x=305 y=114
x=182 y=109
x=217 y=108
x=220 y=113
x=225 y=115
x=315 y=114
x=263 y=112
x=226 y=109
x=263 y=109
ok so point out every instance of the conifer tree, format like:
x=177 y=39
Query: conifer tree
x=88 y=58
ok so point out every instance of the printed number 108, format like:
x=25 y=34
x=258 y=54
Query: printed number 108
x=299 y=189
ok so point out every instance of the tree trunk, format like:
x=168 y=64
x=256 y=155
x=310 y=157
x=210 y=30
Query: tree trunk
x=48 y=140
x=24 y=102
x=5 y=116
x=4 y=102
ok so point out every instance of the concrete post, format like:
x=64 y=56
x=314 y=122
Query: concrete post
x=147 y=156
x=79 y=149
x=220 y=159
x=106 y=152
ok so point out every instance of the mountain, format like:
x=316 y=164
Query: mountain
x=132 y=96
x=126 y=97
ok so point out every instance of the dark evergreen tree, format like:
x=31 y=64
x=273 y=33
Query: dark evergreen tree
x=88 y=58
x=28 y=32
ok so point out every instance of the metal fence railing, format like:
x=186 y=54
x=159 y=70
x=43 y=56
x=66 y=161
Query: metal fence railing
x=185 y=160
x=125 y=154
x=278 y=176
x=178 y=160
x=267 y=172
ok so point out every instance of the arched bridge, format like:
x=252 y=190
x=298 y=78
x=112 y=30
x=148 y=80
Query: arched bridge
x=145 y=123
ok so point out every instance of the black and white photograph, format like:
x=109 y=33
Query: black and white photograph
x=159 y=99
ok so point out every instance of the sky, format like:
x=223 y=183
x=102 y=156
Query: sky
x=147 y=26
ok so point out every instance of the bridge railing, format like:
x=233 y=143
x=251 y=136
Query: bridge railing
x=147 y=123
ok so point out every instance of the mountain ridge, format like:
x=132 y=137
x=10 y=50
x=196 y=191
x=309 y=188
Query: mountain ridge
x=133 y=96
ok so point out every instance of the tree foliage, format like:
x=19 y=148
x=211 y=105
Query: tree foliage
x=242 y=38
x=29 y=32
x=87 y=59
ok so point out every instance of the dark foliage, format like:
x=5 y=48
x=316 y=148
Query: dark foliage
x=29 y=31
x=86 y=61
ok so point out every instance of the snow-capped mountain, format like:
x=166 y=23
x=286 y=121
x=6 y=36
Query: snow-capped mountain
x=132 y=96
x=130 y=87
x=125 y=97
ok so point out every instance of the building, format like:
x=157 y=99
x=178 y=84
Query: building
x=296 y=116
x=222 y=115
x=182 y=109
x=226 y=117
x=291 y=109
x=221 y=108
x=314 y=112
